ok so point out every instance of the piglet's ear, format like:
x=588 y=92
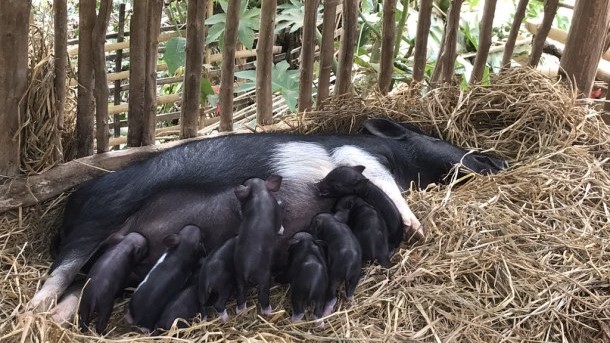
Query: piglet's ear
x=359 y=169
x=242 y=192
x=114 y=239
x=386 y=129
x=273 y=183
x=342 y=215
x=171 y=241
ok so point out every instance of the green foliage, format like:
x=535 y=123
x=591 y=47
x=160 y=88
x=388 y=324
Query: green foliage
x=249 y=23
x=205 y=91
x=283 y=81
x=291 y=16
x=175 y=55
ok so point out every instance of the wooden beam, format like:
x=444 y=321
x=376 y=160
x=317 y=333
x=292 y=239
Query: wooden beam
x=164 y=37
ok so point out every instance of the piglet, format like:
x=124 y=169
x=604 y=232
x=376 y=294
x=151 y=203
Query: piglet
x=368 y=227
x=307 y=274
x=254 y=248
x=344 y=255
x=346 y=180
x=217 y=278
x=108 y=277
x=166 y=278
x=183 y=306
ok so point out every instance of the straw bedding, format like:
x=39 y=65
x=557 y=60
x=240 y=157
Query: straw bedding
x=522 y=256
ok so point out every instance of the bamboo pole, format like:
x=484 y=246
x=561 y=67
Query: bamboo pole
x=60 y=46
x=153 y=27
x=421 y=40
x=388 y=31
x=514 y=32
x=348 y=42
x=264 y=65
x=195 y=38
x=117 y=68
x=480 y=61
x=85 y=108
x=228 y=66
x=137 y=73
x=101 y=85
x=307 y=55
x=449 y=51
x=327 y=50
x=550 y=9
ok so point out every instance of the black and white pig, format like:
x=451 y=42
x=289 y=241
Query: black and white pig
x=184 y=306
x=345 y=180
x=394 y=157
x=108 y=277
x=368 y=227
x=307 y=274
x=217 y=278
x=167 y=278
x=344 y=256
x=255 y=243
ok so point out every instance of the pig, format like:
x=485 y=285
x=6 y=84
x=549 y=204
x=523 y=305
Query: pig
x=183 y=306
x=165 y=280
x=344 y=255
x=307 y=274
x=394 y=156
x=368 y=227
x=346 y=180
x=108 y=277
x=217 y=278
x=255 y=244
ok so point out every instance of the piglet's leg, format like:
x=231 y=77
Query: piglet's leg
x=65 y=310
x=221 y=303
x=263 y=297
x=55 y=285
x=241 y=297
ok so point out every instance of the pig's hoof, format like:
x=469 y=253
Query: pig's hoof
x=240 y=309
x=320 y=324
x=350 y=299
x=64 y=312
x=414 y=233
x=267 y=311
x=297 y=317
x=128 y=318
x=224 y=316
x=328 y=309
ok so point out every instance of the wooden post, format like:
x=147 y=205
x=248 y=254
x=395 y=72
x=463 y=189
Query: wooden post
x=388 y=34
x=228 y=66
x=264 y=61
x=137 y=71
x=327 y=49
x=480 y=61
x=307 y=55
x=195 y=38
x=348 y=42
x=585 y=43
x=550 y=9
x=445 y=64
x=421 y=40
x=155 y=9
x=14 y=29
x=101 y=84
x=514 y=32
x=85 y=108
x=60 y=47
x=118 y=62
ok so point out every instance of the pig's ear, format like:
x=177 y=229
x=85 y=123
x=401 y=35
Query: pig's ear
x=323 y=246
x=242 y=192
x=359 y=169
x=342 y=215
x=114 y=239
x=171 y=241
x=273 y=183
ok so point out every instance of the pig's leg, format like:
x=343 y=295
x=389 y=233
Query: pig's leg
x=103 y=314
x=263 y=295
x=241 y=296
x=298 y=307
x=331 y=297
x=318 y=308
x=221 y=304
x=350 y=285
x=56 y=284
x=389 y=187
x=67 y=307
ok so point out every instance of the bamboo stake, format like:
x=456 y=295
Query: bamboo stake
x=101 y=85
x=550 y=9
x=514 y=32
x=85 y=108
x=153 y=27
x=421 y=40
x=264 y=65
x=307 y=56
x=484 y=41
x=60 y=30
x=228 y=66
x=327 y=49
x=388 y=31
x=192 y=72
x=348 y=42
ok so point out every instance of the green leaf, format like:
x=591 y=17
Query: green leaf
x=205 y=90
x=246 y=74
x=214 y=33
x=175 y=56
x=486 y=79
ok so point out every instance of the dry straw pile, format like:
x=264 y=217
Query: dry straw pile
x=522 y=256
